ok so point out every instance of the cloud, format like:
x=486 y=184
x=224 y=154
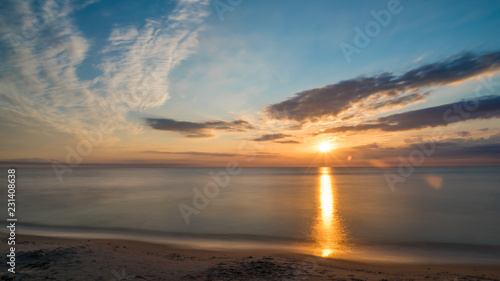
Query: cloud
x=441 y=115
x=193 y=153
x=494 y=138
x=43 y=86
x=463 y=134
x=270 y=137
x=399 y=101
x=384 y=103
x=198 y=129
x=275 y=138
x=366 y=146
x=455 y=150
x=334 y=99
x=214 y=154
x=138 y=62
x=287 y=141
x=466 y=152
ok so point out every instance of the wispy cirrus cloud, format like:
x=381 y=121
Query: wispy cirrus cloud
x=139 y=61
x=40 y=83
x=198 y=129
x=383 y=90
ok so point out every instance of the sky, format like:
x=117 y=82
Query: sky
x=191 y=83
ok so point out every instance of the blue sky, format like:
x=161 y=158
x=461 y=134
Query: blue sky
x=69 y=65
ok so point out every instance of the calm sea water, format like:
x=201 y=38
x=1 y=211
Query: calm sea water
x=447 y=214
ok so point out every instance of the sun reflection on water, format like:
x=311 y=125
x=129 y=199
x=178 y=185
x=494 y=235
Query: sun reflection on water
x=328 y=232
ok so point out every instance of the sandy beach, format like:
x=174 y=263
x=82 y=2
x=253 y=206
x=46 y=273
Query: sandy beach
x=46 y=258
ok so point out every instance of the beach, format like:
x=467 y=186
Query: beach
x=47 y=258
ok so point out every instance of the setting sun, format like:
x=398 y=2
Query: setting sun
x=324 y=147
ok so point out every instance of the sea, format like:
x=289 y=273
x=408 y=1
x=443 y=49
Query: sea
x=428 y=215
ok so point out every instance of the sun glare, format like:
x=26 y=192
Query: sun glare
x=324 y=147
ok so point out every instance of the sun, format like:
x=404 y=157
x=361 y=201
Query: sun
x=324 y=147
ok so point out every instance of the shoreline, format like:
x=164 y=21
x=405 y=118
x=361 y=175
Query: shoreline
x=50 y=258
x=356 y=251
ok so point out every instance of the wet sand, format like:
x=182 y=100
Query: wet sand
x=46 y=258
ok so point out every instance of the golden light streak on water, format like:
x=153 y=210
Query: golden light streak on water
x=328 y=232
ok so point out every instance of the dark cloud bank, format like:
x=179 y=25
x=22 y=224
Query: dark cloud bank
x=333 y=99
x=488 y=107
x=441 y=150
